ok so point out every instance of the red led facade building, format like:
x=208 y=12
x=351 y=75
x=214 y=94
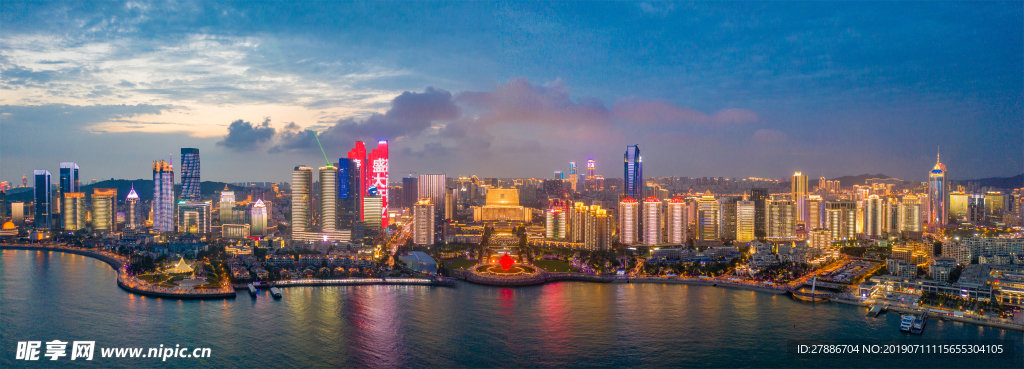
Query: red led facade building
x=378 y=168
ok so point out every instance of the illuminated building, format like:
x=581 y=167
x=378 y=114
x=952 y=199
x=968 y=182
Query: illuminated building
x=410 y=192
x=780 y=218
x=68 y=179
x=234 y=231
x=18 y=212
x=350 y=198
x=958 y=205
x=43 y=194
x=841 y=219
x=744 y=221
x=104 y=204
x=226 y=205
x=814 y=212
x=800 y=197
x=675 y=221
x=559 y=175
x=432 y=186
x=328 y=198
x=994 y=206
x=378 y=177
x=502 y=204
x=190 y=185
x=194 y=217
x=302 y=199
x=73 y=211
x=874 y=216
x=976 y=208
x=577 y=226
x=633 y=173
x=132 y=210
x=373 y=206
x=938 y=193
x=451 y=201
x=708 y=218
x=759 y=196
x=554 y=223
x=652 y=221
x=819 y=238
x=163 y=196
x=574 y=177
x=727 y=215
x=598 y=235
x=628 y=221
x=910 y=214
x=258 y=219
x=358 y=156
x=423 y=227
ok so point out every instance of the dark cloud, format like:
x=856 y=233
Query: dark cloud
x=550 y=104
x=660 y=111
x=244 y=136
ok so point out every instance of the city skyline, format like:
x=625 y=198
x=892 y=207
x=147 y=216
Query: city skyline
x=791 y=87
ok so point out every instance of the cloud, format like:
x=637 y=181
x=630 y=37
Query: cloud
x=660 y=111
x=64 y=116
x=411 y=114
x=244 y=136
x=769 y=136
x=519 y=101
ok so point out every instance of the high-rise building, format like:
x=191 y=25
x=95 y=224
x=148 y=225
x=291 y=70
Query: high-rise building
x=814 y=212
x=190 y=184
x=378 y=162
x=328 y=198
x=841 y=219
x=43 y=194
x=994 y=207
x=708 y=217
x=226 y=205
x=410 y=192
x=302 y=199
x=910 y=214
x=350 y=198
x=874 y=216
x=423 y=227
x=577 y=224
x=599 y=227
x=73 y=211
x=759 y=196
x=358 y=156
x=629 y=222
x=800 y=197
x=727 y=213
x=194 y=217
x=451 y=203
x=938 y=193
x=68 y=178
x=744 y=221
x=104 y=205
x=132 y=211
x=258 y=219
x=633 y=173
x=652 y=221
x=675 y=221
x=958 y=205
x=780 y=218
x=432 y=186
x=163 y=196
x=373 y=206
x=555 y=223
x=18 y=212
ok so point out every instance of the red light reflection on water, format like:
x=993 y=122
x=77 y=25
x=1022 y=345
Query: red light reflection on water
x=555 y=320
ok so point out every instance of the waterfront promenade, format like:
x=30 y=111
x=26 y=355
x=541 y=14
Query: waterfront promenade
x=127 y=282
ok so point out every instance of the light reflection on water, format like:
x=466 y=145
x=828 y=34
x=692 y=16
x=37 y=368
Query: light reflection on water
x=46 y=296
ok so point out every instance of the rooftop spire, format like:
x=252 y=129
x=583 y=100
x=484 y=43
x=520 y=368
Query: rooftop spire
x=938 y=150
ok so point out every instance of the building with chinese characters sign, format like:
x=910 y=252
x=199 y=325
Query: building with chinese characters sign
x=378 y=177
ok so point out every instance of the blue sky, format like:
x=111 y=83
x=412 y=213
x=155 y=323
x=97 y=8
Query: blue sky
x=731 y=89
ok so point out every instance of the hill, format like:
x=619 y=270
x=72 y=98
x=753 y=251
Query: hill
x=1006 y=183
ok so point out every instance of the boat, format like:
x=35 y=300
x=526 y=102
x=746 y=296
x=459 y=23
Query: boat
x=252 y=290
x=918 y=326
x=275 y=292
x=906 y=323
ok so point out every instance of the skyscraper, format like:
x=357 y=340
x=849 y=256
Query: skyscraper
x=163 y=196
x=652 y=221
x=259 y=219
x=780 y=218
x=675 y=221
x=226 y=206
x=190 y=185
x=132 y=212
x=555 y=223
x=744 y=221
x=431 y=186
x=194 y=217
x=358 y=156
x=410 y=192
x=759 y=196
x=423 y=222
x=350 y=198
x=68 y=178
x=841 y=219
x=938 y=195
x=328 y=198
x=104 y=204
x=814 y=212
x=73 y=211
x=43 y=195
x=634 y=172
x=800 y=197
x=598 y=234
x=874 y=216
x=910 y=214
x=708 y=217
x=629 y=222
x=378 y=161
x=302 y=199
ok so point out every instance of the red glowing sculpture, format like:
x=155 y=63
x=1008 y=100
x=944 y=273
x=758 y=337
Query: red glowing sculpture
x=506 y=261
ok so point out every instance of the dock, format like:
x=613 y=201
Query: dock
x=875 y=310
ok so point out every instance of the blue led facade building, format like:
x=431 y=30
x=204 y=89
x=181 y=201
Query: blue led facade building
x=634 y=173
x=350 y=198
x=43 y=197
x=190 y=174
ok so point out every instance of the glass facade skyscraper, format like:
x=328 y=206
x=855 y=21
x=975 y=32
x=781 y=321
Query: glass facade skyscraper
x=68 y=177
x=938 y=195
x=163 y=196
x=190 y=190
x=350 y=198
x=43 y=197
x=634 y=173
x=302 y=198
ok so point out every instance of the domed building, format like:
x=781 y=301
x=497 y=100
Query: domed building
x=9 y=230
